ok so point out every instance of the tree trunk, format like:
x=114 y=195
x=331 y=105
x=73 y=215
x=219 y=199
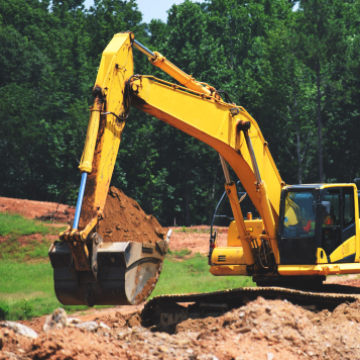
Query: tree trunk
x=297 y=137
x=187 y=195
x=298 y=156
x=319 y=123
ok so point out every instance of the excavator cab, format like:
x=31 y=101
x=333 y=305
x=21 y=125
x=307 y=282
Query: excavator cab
x=317 y=224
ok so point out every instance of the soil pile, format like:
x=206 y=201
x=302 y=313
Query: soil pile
x=261 y=329
x=284 y=327
x=64 y=216
x=41 y=210
x=124 y=220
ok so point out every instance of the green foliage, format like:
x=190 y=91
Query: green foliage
x=4 y=311
x=296 y=72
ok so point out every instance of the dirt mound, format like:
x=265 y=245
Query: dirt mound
x=41 y=210
x=61 y=345
x=280 y=323
x=65 y=216
x=262 y=329
x=124 y=220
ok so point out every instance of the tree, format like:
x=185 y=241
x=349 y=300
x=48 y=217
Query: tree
x=320 y=41
x=288 y=91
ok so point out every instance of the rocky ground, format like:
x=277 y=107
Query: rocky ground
x=261 y=329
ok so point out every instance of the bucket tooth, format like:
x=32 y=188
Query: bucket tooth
x=126 y=274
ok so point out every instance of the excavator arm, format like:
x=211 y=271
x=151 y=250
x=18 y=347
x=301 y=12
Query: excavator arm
x=81 y=259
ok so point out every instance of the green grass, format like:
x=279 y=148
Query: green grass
x=27 y=290
x=16 y=225
x=26 y=276
x=12 y=227
x=192 y=275
x=11 y=249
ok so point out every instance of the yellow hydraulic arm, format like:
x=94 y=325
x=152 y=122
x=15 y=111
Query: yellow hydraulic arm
x=196 y=109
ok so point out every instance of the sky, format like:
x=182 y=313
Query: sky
x=151 y=9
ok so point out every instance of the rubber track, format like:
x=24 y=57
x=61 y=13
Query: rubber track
x=326 y=296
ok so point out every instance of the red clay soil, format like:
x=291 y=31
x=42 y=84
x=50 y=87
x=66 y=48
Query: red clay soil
x=38 y=209
x=118 y=225
x=195 y=238
x=261 y=329
x=349 y=280
x=124 y=220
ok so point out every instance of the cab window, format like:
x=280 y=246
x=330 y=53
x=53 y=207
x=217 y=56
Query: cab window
x=299 y=215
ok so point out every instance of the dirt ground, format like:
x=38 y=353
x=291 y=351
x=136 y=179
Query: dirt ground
x=261 y=329
x=124 y=220
x=195 y=238
x=38 y=209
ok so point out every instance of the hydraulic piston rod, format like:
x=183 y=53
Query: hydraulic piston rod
x=144 y=50
x=164 y=64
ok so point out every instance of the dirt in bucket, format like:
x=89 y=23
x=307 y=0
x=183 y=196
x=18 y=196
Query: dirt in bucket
x=124 y=220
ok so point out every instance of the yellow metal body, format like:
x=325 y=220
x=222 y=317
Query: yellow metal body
x=320 y=269
x=197 y=110
x=179 y=75
x=103 y=134
x=347 y=248
x=228 y=270
x=191 y=113
x=254 y=228
x=321 y=257
x=115 y=68
x=228 y=256
x=228 y=261
x=243 y=236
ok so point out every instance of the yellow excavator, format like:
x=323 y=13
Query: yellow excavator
x=304 y=233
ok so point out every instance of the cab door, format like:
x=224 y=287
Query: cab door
x=338 y=234
x=298 y=232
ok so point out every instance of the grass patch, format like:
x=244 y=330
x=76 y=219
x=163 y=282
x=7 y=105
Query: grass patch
x=192 y=275
x=11 y=249
x=27 y=290
x=16 y=225
x=12 y=227
x=178 y=254
x=26 y=276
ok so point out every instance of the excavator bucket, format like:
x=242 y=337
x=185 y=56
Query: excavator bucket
x=122 y=273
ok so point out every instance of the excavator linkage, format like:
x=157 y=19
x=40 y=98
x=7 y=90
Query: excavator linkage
x=122 y=273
